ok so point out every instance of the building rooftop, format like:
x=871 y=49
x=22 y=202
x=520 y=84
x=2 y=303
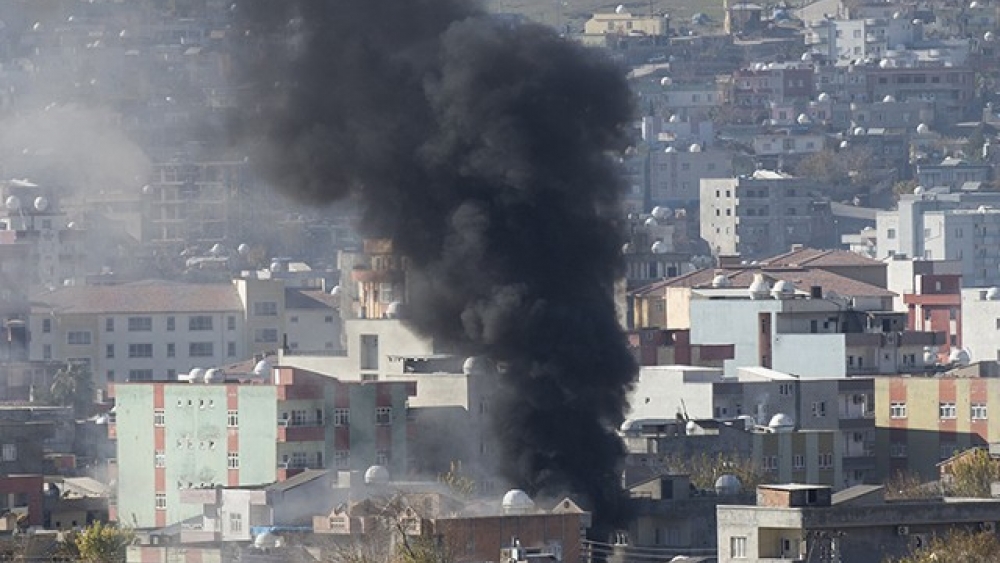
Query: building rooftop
x=152 y=296
x=814 y=257
x=803 y=278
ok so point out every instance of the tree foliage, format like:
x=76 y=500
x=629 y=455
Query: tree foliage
x=705 y=468
x=958 y=546
x=73 y=386
x=100 y=543
x=458 y=481
x=971 y=474
x=909 y=486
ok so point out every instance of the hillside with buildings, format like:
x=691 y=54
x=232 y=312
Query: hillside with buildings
x=559 y=281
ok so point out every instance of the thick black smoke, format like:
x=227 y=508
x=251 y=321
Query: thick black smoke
x=482 y=150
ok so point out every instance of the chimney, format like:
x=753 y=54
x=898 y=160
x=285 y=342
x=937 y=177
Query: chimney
x=816 y=292
x=729 y=260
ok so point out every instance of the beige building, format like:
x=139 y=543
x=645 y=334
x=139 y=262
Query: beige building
x=626 y=24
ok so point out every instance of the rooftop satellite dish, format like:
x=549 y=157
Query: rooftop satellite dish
x=13 y=203
x=620 y=9
x=243 y=249
x=41 y=203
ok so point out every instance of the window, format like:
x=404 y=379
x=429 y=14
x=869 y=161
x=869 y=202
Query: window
x=200 y=322
x=140 y=375
x=265 y=335
x=231 y=349
x=328 y=319
x=738 y=547
x=171 y=323
x=171 y=350
x=946 y=410
x=897 y=449
x=341 y=417
x=298 y=417
x=235 y=522
x=9 y=452
x=109 y=351
x=46 y=325
x=160 y=458
x=342 y=459
x=383 y=416
x=890 y=234
x=159 y=418
x=161 y=501
x=819 y=409
x=798 y=461
x=78 y=338
x=265 y=309
x=825 y=460
x=140 y=324
x=979 y=411
x=140 y=350
x=293 y=319
x=231 y=322
x=382 y=457
x=233 y=460
x=232 y=419
x=897 y=410
x=109 y=324
x=201 y=349
x=46 y=351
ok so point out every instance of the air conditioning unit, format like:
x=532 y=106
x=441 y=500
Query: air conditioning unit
x=902 y=530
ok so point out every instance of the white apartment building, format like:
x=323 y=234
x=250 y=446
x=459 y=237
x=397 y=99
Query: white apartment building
x=860 y=38
x=759 y=215
x=981 y=323
x=968 y=236
x=675 y=175
x=903 y=230
x=157 y=330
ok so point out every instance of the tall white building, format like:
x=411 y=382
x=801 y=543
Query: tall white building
x=981 y=323
x=758 y=215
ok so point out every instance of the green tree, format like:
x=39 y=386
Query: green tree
x=73 y=386
x=909 y=486
x=456 y=480
x=704 y=469
x=957 y=546
x=971 y=475
x=100 y=543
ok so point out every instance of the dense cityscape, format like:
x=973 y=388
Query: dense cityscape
x=435 y=281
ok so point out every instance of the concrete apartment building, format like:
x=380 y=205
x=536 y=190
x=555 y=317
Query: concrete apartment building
x=829 y=326
x=905 y=231
x=844 y=39
x=930 y=292
x=757 y=215
x=953 y=173
x=754 y=397
x=799 y=522
x=980 y=323
x=675 y=174
x=923 y=420
x=246 y=429
x=156 y=330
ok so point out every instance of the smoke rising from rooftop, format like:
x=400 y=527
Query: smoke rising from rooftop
x=483 y=151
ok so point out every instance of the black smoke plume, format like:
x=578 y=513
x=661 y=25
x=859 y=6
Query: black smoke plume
x=483 y=150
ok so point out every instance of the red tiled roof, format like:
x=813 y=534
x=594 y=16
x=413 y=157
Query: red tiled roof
x=820 y=258
x=152 y=296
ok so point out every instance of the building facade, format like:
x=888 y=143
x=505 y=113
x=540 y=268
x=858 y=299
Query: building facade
x=246 y=430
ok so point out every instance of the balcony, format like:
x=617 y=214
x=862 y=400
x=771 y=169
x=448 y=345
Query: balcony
x=310 y=430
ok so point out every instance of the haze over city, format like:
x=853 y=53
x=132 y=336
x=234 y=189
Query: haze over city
x=451 y=281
